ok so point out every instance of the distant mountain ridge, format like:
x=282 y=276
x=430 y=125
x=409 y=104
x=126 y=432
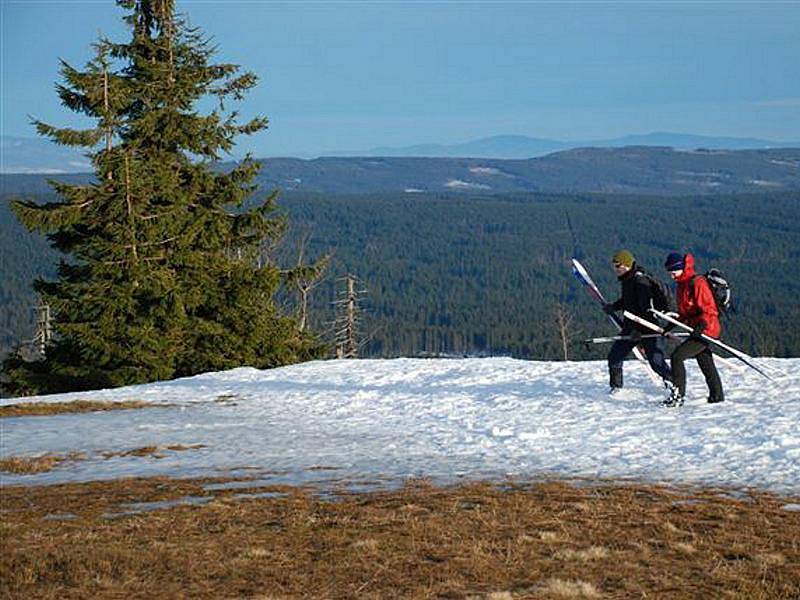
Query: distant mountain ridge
x=39 y=155
x=628 y=170
x=520 y=146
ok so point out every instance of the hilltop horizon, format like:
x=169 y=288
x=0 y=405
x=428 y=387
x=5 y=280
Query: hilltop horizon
x=36 y=155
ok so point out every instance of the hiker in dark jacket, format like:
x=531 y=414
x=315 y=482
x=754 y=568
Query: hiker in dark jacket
x=698 y=309
x=637 y=298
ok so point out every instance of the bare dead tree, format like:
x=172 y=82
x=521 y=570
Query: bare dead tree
x=305 y=277
x=348 y=319
x=565 y=327
x=766 y=344
x=44 y=328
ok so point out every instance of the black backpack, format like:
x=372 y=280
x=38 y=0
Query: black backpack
x=720 y=288
x=661 y=293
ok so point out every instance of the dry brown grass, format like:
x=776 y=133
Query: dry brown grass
x=481 y=541
x=153 y=451
x=41 y=409
x=28 y=465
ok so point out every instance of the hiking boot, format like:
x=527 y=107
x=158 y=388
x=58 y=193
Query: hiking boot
x=675 y=399
x=673 y=403
x=715 y=400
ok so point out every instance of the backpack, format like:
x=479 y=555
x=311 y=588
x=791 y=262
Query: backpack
x=721 y=290
x=661 y=293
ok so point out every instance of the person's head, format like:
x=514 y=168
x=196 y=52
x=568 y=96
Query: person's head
x=675 y=264
x=622 y=261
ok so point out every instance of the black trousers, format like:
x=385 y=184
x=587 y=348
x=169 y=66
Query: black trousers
x=694 y=348
x=654 y=347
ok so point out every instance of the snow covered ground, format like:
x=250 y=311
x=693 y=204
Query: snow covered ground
x=367 y=421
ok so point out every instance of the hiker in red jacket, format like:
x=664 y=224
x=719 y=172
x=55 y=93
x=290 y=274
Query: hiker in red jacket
x=698 y=309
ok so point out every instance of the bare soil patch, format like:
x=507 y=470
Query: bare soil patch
x=538 y=540
x=41 y=409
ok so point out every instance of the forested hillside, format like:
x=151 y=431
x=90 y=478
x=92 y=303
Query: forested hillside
x=452 y=274
x=23 y=257
x=630 y=170
x=483 y=274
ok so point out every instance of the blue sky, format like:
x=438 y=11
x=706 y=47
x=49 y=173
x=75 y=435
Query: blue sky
x=355 y=75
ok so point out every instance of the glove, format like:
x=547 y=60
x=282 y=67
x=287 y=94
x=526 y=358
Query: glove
x=669 y=327
x=608 y=308
x=698 y=331
x=636 y=336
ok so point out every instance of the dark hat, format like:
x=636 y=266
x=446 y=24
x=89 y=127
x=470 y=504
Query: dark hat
x=623 y=257
x=675 y=262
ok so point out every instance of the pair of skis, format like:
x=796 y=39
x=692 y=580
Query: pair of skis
x=660 y=331
x=715 y=343
x=745 y=358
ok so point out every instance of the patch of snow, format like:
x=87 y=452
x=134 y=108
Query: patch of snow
x=701 y=174
x=378 y=422
x=791 y=507
x=466 y=185
x=61 y=517
x=700 y=151
x=485 y=171
x=786 y=163
x=765 y=183
x=135 y=508
x=414 y=191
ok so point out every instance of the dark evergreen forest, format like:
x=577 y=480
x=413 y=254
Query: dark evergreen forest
x=483 y=275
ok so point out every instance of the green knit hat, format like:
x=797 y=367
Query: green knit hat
x=623 y=257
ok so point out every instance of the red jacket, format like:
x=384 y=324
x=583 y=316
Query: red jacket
x=698 y=307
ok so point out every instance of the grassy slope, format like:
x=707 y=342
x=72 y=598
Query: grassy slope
x=545 y=540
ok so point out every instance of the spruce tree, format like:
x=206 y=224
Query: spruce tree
x=161 y=275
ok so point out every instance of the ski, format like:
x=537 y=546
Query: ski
x=583 y=276
x=745 y=358
x=660 y=331
x=614 y=338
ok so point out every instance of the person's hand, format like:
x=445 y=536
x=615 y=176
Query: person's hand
x=668 y=328
x=608 y=308
x=698 y=330
x=636 y=336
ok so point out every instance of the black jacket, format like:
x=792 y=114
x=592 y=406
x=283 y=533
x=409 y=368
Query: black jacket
x=637 y=296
